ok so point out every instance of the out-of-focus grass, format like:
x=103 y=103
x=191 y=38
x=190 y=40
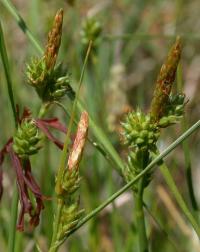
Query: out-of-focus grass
x=148 y=28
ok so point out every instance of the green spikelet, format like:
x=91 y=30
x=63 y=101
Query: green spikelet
x=139 y=131
x=71 y=181
x=70 y=217
x=174 y=110
x=26 y=140
x=165 y=81
x=137 y=161
x=36 y=73
x=91 y=31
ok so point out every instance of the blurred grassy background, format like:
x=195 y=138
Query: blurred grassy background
x=135 y=39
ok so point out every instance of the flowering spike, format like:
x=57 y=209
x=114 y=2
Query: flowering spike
x=54 y=40
x=26 y=140
x=165 y=81
x=79 y=142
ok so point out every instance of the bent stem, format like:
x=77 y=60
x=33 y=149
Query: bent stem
x=142 y=236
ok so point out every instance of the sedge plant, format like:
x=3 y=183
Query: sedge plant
x=141 y=132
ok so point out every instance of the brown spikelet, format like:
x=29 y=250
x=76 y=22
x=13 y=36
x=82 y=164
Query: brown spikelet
x=79 y=142
x=165 y=81
x=54 y=40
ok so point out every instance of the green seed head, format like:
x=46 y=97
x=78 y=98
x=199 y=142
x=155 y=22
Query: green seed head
x=26 y=139
x=139 y=131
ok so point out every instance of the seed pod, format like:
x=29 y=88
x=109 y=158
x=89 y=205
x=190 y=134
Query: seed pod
x=165 y=81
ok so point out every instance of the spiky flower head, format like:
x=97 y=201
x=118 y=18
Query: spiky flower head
x=165 y=81
x=26 y=141
x=36 y=73
x=139 y=131
x=50 y=80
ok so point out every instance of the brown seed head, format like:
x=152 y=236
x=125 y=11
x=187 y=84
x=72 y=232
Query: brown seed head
x=165 y=81
x=79 y=142
x=54 y=40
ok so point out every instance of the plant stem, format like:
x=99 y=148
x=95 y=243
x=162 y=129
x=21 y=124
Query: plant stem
x=4 y=56
x=186 y=149
x=12 y=228
x=54 y=247
x=58 y=187
x=13 y=11
x=149 y=167
x=142 y=236
x=63 y=156
x=169 y=180
x=14 y=210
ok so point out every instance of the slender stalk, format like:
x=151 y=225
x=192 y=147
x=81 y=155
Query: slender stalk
x=4 y=56
x=13 y=11
x=186 y=149
x=64 y=157
x=12 y=228
x=58 y=188
x=142 y=236
x=155 y=161
x=14 y=210
x=54 y=247
x=170 y=181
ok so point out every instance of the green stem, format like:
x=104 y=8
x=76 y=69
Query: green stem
x=186 y=149
x=13 y=11
x=64 y=157
x=12 y=228
x=4 y=56
x=54 y=247
x=58 y=187
x=142 y=236
x=170 y=181
x=149 y=167
x=14 y=210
